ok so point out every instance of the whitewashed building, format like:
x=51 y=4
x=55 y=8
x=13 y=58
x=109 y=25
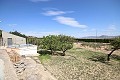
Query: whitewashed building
x=7 y=39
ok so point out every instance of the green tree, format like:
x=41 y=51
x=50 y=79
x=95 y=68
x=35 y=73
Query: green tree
x=50 y=43
x=18 y=34
x=60 y=42
x=115 y=46
x=64 y=43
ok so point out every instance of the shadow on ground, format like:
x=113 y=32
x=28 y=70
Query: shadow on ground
x=115 y=57
x=103 y=58
x=44 y=52
x=98 y=59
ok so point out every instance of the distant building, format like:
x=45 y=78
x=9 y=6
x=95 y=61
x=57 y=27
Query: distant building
x=7 y=39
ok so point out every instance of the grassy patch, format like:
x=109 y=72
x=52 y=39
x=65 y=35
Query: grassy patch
x=85 y=53
x=81 y=64
x=44 y=57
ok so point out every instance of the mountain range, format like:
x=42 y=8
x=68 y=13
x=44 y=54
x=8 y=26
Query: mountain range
x=99 y=37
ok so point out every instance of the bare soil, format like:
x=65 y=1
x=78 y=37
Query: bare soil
x=30 y=68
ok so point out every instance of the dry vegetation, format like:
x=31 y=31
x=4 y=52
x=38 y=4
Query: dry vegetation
x=81 y=64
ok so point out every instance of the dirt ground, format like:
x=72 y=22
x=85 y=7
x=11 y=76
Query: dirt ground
x=9 y=70
x=82 y=64
x=78 y=45
x=28 y=68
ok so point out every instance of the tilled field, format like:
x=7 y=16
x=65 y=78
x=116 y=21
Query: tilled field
x=80 y=64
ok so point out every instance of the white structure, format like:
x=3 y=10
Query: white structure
x=24 y=49
x=16 y=43
x=28 y=50
x=8 y=39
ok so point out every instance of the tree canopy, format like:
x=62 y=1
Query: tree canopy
x=18 y=34
x=64 y=43
x=57 y=42
x=115 y=46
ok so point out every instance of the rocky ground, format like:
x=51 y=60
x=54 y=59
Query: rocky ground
x=9 y=71
x=30 y=68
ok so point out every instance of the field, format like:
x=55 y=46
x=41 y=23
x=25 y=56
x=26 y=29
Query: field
x=82 y=64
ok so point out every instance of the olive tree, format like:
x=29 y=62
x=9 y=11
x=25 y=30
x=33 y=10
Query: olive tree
x=57 y=42
x=64 y=43
x=115 y=46
x=50 y=43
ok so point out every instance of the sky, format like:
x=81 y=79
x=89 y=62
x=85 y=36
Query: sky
x=77 y=18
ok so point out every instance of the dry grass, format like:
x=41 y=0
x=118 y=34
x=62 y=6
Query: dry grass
x=81 y=64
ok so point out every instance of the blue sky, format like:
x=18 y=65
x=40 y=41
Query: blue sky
x=78 y=18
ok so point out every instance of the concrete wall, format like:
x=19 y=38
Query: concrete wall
x=28 y=50
x=15 y=39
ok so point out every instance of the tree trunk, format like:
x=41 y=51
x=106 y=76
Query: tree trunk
x=63 y=53
x=108 y=58
x=52 y=52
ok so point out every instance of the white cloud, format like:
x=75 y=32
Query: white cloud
x=112 y=28
x=41 y=34
x=85 y=30
x=69 y=21
x=12 y=25
x=39 y=0
x=53 y=13
x=0 y=21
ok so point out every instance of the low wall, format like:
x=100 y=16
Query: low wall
x=27 y=50
x=2 y=69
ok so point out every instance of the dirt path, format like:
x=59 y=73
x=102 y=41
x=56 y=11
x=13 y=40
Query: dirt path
x=9 y=71
x=26 y=69
x=31 y=69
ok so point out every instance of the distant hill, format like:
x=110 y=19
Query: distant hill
x=99 y=37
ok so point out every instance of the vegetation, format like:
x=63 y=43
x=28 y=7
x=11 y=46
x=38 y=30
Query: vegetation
x=64 y=43
x=34 y=40
x=81 y=64
x=18 y=34
x=97 y=46
x=29 y=39
x=50 y=43
x=95 y=40
x=44 y=57
x=115 y=46
x=60 y=42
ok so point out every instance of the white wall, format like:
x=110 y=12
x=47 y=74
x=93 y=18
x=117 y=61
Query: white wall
x=15 y=39
x=28 y=50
